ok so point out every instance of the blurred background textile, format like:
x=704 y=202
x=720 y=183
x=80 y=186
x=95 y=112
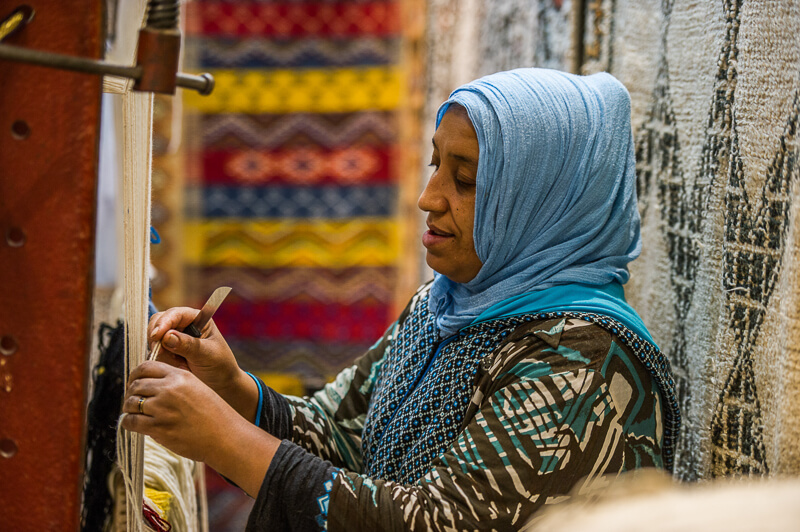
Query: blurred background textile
x=292 y=171
x=285 y=184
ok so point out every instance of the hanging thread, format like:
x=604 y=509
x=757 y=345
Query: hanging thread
x=141 y=459
x=137 y=117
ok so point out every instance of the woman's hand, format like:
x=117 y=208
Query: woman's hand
x=209 y=358
x=177 y=410
x=181 y=413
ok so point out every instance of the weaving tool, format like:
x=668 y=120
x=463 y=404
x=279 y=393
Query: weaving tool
x=195 y=329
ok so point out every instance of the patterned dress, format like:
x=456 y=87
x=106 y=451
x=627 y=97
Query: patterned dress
x=477 y=431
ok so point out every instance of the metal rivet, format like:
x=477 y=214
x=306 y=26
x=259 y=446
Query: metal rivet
x=20 y=130
x=15 y=237
x=28 y=11
x=8 y=346
x=8 y=448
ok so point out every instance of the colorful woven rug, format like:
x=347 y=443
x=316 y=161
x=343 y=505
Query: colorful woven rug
x=293 y=183
x=292 y=195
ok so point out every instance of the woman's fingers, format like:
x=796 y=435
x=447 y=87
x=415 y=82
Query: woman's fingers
x=140 y=405
x=174 y=318
x=208 y=358
x=143 y=424
x=138 y=423
x=177 y=410
x=176 y=361
x=152 y=323
x=145 y=387
x=183 y=345
x=150 y=369
x=146 y=382
x=152 y=393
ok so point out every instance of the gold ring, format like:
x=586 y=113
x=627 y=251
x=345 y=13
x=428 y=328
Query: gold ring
x=141 y=405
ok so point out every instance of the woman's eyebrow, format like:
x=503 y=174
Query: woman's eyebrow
x=464 y=158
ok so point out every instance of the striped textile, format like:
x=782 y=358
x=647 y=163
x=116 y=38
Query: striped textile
x=292 y=185
x=292 y=192
x=325 y=285
x=302 y=165
x=221 y=52
x=306 y=130
x=296 y=20
x=322 y=90
x=285 y=243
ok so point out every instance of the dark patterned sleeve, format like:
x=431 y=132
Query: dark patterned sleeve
x=532 y=439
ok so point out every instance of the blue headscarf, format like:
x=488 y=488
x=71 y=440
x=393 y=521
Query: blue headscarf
x=555 y=198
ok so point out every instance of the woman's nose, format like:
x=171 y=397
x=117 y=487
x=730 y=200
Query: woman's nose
x=432 y=199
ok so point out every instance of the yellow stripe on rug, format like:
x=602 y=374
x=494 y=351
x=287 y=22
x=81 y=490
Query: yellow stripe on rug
x=330 y=90
x=280 y=243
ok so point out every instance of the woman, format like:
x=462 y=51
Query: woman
x=518 y=374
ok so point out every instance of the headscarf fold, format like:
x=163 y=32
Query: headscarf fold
x=555 y=197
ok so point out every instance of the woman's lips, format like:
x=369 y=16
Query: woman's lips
x=430 y=238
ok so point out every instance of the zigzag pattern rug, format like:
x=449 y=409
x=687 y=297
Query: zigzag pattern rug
x=298 y=130
x=292 y=196
x=326 y=285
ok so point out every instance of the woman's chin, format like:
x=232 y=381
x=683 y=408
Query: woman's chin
x=456 y=271
x=437 y=264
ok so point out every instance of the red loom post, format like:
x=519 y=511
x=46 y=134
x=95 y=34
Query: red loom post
x=49 y=132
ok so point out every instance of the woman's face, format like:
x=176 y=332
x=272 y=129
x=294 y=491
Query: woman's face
x=449 y=199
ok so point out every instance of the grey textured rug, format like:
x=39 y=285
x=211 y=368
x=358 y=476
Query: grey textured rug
x=716 y=106
x=715 y=88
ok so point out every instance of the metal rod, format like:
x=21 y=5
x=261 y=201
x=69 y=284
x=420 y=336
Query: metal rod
x=67 y=62
x=203 y=83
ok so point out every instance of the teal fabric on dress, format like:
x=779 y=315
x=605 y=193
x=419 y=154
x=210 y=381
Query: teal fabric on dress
x=555 y=198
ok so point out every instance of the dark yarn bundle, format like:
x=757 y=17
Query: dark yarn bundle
x=101 y=435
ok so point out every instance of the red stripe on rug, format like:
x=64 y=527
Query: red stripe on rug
x=295 y=19
x=300 y=166
x=303 y=320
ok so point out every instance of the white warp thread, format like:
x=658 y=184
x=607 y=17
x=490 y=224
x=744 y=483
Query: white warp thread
x=137 y=117
x=141 y=460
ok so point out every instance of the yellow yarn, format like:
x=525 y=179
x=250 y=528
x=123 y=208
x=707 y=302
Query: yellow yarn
x=162 y=499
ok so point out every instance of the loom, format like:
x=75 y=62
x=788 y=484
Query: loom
x=49 y=158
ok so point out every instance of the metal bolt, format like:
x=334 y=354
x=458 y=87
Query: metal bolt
x=20 y=130
x=8 y=448
x=8 y=346
x=15 y=237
